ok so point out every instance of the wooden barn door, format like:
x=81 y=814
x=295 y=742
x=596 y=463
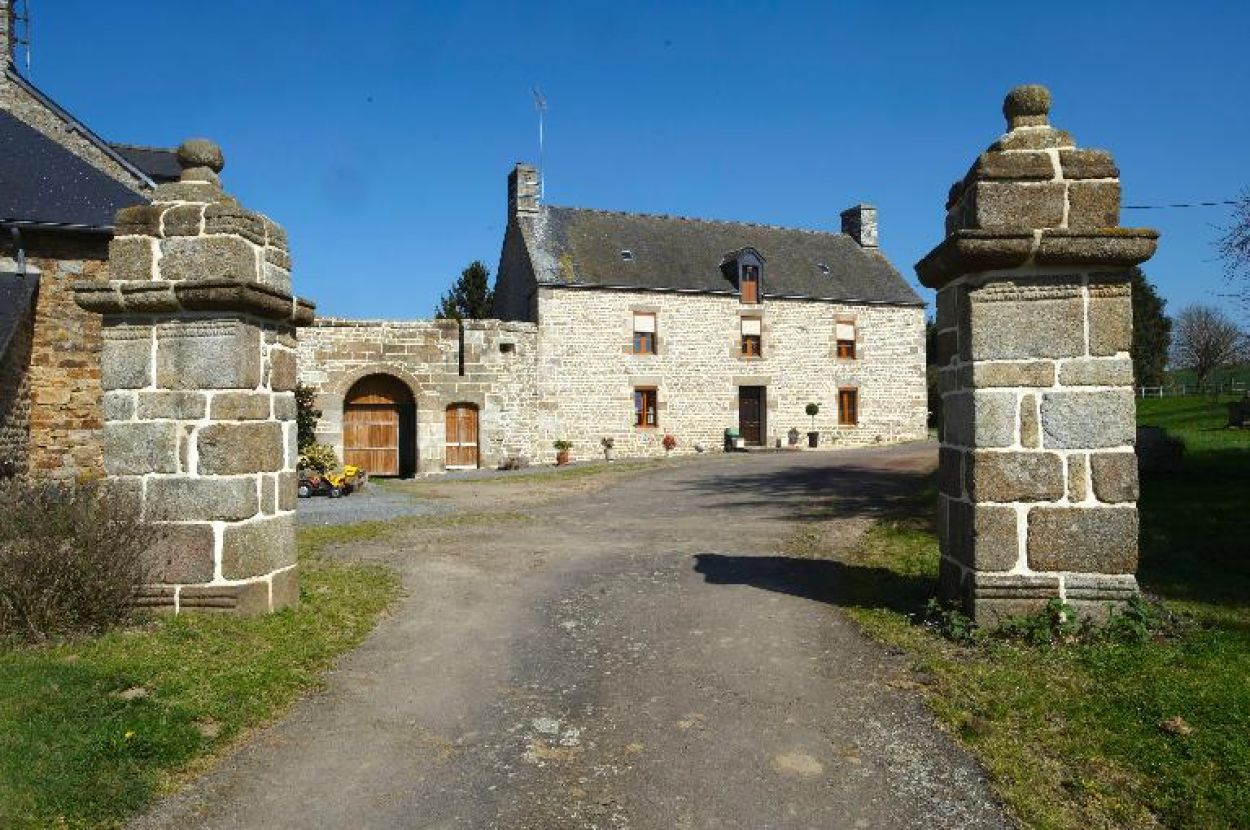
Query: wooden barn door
x=462 y=436
x=371 y=424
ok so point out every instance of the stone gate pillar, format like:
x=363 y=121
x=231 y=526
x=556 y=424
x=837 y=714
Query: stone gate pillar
x=198 y=370
x=1037 y=479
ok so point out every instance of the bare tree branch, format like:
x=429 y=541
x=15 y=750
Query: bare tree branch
x=1205 y=339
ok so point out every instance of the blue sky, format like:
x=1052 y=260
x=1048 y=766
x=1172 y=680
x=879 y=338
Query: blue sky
x=381 y=133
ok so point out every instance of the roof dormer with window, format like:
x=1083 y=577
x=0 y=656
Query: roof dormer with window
x=744 y=268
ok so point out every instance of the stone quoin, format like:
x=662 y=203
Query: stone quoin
x=1037 y=478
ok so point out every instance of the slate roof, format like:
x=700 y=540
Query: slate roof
x=41 y=182
x=583 y=247
x=159 y=163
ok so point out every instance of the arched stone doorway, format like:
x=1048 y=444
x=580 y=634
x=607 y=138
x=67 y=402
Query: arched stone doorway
x=379 y=426
x=463 y=452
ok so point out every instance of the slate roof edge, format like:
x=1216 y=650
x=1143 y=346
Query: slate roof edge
x=28 y=224
x=729 y=293
x=77 y=126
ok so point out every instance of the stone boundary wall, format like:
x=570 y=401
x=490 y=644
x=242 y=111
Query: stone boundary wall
x=500 y=363
x=587 y=371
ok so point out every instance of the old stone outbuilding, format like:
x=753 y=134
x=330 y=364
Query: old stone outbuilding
x=62 y=186
x=634 y=327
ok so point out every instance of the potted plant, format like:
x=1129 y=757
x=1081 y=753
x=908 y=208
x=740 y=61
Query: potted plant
x=607 y=442
x=562 y=451
x=669 y=442
x=813 y=437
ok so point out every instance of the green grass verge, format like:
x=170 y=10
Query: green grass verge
x=74 y=753
x=1072 y=736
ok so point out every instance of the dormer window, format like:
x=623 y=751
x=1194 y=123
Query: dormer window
x=627 y=255
x=744 y=268
x=749 y=284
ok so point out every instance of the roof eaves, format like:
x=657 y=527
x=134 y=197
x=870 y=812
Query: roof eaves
x=77 y=126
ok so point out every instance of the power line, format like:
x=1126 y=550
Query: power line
x=1179 y=205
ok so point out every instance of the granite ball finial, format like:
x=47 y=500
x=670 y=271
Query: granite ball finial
x=201 y=160
x=1027 y=106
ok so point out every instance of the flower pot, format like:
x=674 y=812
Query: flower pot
x=607 y=454
x=562 y=458
x=813 y=439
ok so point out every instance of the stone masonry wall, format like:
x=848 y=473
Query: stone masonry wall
x=65 y=393
x=1037 y=474
x=587 y=371
x=60 y=403
x=499 y=378
x=198 y=368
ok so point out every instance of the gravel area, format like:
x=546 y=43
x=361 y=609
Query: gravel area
x=374 y=503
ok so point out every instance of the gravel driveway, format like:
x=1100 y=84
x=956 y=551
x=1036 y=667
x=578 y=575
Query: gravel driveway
x=644 y=655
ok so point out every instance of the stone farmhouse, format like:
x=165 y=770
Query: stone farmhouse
x=633 y=327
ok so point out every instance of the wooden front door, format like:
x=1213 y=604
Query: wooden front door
x=462 y=436
x=751 y=414
x=372 y=419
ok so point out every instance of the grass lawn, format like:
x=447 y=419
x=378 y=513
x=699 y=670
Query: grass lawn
x=1075 y=736
x=91 y=731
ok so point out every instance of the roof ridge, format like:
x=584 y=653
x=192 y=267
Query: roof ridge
x=701 y=219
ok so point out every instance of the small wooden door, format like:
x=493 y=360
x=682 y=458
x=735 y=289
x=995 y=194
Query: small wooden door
x=462 y=451
x=372 y=414
x=751 y=414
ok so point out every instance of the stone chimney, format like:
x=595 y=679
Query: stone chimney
x=522 y=189
x=860 y=223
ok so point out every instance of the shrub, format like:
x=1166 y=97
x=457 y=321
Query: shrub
x=669 y=442
x=607 y=442
x=562 y=445
x=70 y=558
x=514 y=462
x=319 y=457
x=306 y=416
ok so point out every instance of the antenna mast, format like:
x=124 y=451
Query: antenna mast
x=540 y=104
x=21 y=36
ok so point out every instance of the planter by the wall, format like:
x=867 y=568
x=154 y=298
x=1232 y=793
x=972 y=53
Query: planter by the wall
x=562 y=458
x=813 y=439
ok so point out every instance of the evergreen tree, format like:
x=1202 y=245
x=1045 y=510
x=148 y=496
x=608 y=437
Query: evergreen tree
x=1152 y=332
x=471 y=298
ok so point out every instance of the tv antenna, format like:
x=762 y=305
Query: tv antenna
x=540 y=104
x=19 y=20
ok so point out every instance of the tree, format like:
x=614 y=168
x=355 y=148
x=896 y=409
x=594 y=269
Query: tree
x=1234 y=247
x=471 y=297
x=1205 y=339
x=306 y=416
x=1152 y=332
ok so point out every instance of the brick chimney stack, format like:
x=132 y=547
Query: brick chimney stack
x=860 y=223
x=522 y=189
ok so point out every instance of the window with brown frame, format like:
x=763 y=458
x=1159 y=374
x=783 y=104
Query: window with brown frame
x=749 y=284
x=645 y=414
x=644 y=333
x=848 y=407
x=752 y=337
x=844 y=333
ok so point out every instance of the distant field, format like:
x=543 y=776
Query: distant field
x=1200 y=420
x=1222 y=378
